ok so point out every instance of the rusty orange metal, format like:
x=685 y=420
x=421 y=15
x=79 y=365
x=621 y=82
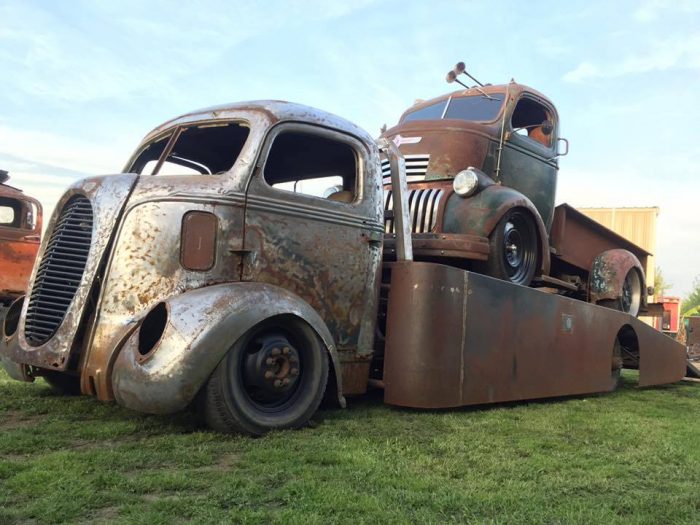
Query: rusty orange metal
x=457 y=338
x=20 y=234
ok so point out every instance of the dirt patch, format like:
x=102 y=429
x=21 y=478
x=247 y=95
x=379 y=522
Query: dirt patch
x=101 y=515
x=13 y=419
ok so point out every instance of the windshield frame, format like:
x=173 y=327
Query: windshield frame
x=448 y=102
x=172 y=134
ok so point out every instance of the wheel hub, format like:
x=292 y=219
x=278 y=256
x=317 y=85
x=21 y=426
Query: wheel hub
x=273 y=370
x=513 y=241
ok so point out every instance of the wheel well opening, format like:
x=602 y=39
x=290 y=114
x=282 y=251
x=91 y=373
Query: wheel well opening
x=628 y=343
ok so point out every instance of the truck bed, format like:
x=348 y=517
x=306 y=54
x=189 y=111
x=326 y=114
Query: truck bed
x=577 y=239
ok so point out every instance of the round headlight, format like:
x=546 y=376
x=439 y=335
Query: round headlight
x=465 y=182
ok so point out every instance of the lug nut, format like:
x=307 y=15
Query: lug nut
x=269 y=361
x=285 y=381
x=278 y=383
x=285 y=350
x=269 y=374
x=294 y=372
x=275 y=352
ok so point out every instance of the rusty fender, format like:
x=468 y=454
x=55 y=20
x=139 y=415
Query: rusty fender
x=18 y=371
x=608 y=272
x=168 y=358
x=479 y=215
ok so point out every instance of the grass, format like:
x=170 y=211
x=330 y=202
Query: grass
x=627 y=457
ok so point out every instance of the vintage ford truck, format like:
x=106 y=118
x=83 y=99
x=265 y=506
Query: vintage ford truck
x=236 y=265
x=482 y=168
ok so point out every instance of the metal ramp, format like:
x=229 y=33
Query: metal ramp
x=457 y=338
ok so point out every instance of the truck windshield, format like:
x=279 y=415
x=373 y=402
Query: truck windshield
x=204 y=149
x=476 y=108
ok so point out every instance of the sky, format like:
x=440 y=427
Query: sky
x=84 y=81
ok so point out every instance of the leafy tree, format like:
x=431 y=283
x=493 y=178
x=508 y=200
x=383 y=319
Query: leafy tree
x=660 y=284
x=691 y=303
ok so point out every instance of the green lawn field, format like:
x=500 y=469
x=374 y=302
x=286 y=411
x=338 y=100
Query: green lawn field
x=628 y=457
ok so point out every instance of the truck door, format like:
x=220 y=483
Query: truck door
x=528 y=163
x=20 y=230
x=313 y=227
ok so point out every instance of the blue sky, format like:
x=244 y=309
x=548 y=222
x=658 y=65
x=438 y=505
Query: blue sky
x=83 y=81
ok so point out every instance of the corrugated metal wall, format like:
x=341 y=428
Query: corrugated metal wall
x=636 y=224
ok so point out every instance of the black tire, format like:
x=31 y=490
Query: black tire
x=274 y=377
x=514 y=248
x=63 y=384
x=631 y=298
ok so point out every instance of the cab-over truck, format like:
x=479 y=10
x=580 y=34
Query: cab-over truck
x=482 y=167
x=215 y=272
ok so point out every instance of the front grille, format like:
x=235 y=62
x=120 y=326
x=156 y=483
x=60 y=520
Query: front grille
x=416 y=167
x=60 y=271
x=422 y=205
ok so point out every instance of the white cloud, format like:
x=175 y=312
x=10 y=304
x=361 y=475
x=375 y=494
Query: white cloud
x=650 y=10
x=676 y=52
x=62 y=152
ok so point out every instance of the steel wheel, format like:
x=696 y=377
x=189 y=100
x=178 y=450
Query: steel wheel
x=274 y=377
x=514 y=248
x=630 y=299
x=631 y=293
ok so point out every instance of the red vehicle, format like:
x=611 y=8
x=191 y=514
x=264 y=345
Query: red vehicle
x=20 y=233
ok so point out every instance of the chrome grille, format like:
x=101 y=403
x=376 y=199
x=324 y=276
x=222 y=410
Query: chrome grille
x=416 y=167
x=60 y=271
x=422 y=205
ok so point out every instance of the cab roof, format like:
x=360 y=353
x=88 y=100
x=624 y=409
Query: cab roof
x=514 y=90
x=271 y=110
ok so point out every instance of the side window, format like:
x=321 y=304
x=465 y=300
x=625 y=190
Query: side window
x=533 y=120
x=10 y=212
x=314 y=165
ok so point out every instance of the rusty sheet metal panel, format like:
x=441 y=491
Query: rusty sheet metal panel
x=456 y=338
x=578 y=239
x=656 y=367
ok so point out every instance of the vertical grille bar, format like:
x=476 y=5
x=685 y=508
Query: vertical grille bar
x=422 y=204
x=60 y=271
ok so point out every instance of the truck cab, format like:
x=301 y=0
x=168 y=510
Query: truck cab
x=251 y=229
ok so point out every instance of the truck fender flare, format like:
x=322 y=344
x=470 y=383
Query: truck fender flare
x=168 y=358
x=509 y=199
x=608 y=272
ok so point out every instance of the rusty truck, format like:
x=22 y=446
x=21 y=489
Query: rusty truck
x=236 y=265
x=20 y=233
x=482 y=167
